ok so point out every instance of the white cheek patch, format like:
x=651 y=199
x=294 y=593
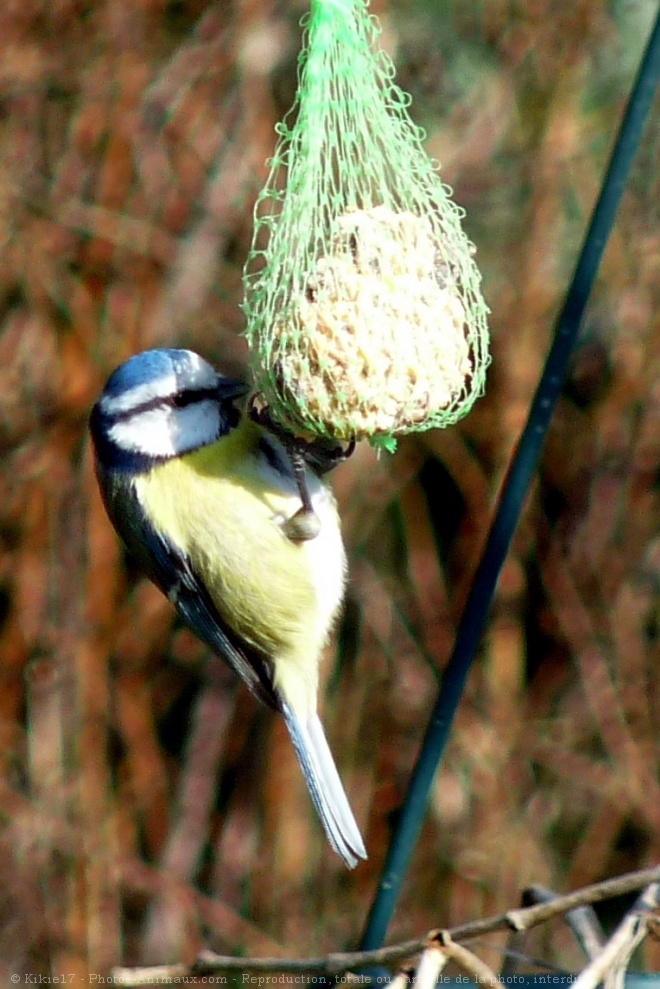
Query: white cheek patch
x=164 y=432
x=194 y=426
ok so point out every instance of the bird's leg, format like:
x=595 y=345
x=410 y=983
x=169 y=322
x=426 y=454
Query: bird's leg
x=321 y=455
x=305 y=523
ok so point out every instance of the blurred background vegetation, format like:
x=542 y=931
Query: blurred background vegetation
x=147 y=810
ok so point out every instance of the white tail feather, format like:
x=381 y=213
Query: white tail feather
x=325 y=786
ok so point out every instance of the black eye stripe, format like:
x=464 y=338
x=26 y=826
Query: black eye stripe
x=190 y=396
x=180 y=400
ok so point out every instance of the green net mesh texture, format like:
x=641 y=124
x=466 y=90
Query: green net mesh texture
x=364 y=311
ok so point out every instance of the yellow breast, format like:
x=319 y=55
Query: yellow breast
x=222 y=506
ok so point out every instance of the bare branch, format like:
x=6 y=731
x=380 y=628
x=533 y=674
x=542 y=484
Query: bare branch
x=430 y=966
x=611 y=963
x=481 y=973
x=582 y=921
x=341 y=962
x=522 y=920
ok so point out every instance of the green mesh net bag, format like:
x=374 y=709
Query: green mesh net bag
x=365 y=317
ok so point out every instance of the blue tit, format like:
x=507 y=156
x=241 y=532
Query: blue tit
x=202 y=496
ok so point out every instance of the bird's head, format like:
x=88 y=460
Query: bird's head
x=160 y=404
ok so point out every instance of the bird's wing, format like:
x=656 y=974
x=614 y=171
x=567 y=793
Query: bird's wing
x=193 y=602
x=171 y=571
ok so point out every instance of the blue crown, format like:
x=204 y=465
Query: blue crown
x=147 y=366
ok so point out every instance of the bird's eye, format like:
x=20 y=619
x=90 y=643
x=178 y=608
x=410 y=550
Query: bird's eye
x=184 y=398
x=190 y=396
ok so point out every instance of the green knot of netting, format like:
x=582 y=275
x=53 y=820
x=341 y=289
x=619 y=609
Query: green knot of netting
x=365 y=316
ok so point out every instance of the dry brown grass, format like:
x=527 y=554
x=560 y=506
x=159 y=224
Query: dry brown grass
x=147 y=810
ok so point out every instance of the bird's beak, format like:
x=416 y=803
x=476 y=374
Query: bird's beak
x=228 y=389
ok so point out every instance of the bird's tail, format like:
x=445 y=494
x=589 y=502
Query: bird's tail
x=325 y=786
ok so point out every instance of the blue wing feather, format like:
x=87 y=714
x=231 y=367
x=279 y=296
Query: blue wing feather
x=171 y=571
